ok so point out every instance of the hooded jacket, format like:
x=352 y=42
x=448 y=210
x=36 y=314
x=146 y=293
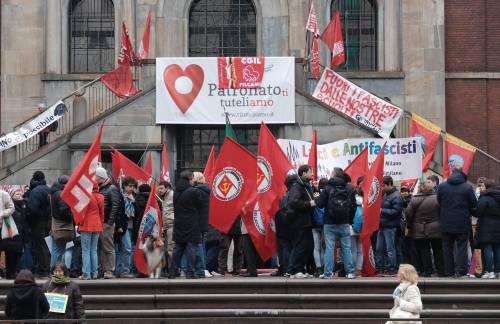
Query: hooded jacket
x=94 y=214
x=23 y=302
x=458 y=202
x=488 y=214
x=38 y=202
x=187 y=203
x=299 y=204
x=336 y=183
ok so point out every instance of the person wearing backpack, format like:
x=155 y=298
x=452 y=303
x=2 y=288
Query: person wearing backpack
x=62 y=221
x=390 y=219
x=38 y=221
x=339 y=203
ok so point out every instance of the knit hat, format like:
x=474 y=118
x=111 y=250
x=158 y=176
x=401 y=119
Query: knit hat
x=101 y=172
x=13 y=190
x=63 y=179
x=38 y=176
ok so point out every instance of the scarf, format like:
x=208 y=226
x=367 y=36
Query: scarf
x=56 y=280
x=129 y=207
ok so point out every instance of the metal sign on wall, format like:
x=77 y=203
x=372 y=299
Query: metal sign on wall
x=201 y=90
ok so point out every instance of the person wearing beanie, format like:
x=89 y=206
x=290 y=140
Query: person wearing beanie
x=39 y=213
x=113 y=209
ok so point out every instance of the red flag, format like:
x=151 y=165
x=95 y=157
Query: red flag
x=209 y=167
x=151 y=230
x=149 y=165
x=315 y=58
x=143 y=51
x=372 y=200
x=165 y=168
x=126 y=55
x=78 y=190
x=272 y=168
x=234 y=183
x=119 y=81
x=332 y=37
x=458 y=152
x=409 y=183
x=313 y=156
x=123 y=167
x=312 y=21
x=358 y=166
x=429 y=135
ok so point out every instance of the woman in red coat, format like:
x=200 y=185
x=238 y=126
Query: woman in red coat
x=90 y=227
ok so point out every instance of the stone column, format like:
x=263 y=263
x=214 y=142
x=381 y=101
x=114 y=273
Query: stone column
x=423 y=58
x=53 y=44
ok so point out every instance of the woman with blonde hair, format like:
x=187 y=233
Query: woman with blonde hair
x=407 y=300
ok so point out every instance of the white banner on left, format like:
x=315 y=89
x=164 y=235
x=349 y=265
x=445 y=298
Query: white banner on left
x=34 y=126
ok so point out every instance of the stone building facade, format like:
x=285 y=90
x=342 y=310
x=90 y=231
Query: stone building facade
x=43 y=60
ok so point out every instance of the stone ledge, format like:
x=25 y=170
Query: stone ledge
x=472 y=75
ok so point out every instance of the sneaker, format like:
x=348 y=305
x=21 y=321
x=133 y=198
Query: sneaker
x=82 y=277
x=299 y=275
x=323 y=276
x=216 y=274
x=108 y=275
x=351 y=276
x=208 y=274
x=489 y=275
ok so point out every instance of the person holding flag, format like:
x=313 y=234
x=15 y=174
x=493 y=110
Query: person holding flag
x=166 y=195
x=299 y=214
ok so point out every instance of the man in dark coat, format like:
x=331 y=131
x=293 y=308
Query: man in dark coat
x=38 y=220
x=458 y=202
x=299 y=216
x=187 y=232
x=201 y=184
x=113 y=211
x=390 y=219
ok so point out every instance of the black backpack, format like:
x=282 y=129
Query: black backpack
x=339 y=203
x=286 y=212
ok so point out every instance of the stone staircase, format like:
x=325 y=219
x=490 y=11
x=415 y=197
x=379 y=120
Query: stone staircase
x=280 y=300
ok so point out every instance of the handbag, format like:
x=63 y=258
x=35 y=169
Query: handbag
x=9 y=228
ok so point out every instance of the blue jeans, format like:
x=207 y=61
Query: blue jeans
x=357 y=251
x=89 y=253
x=318 y=249
x=386 y=247
x=491 y=253
x=331 y=232
x=26 y=261
x=123 y=252
x=199 y=266
x=191 y=250
x=57 y=255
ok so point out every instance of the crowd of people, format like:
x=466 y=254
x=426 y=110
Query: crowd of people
x=445 y=230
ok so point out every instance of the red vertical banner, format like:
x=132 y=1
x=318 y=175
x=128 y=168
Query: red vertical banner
x=429 y=135
x=372 y=201
x=332 y=37
x=143 y=51
x=359 y=166
x=457 y=152
x=313 y=156
x=165 y=167
x=209 y=166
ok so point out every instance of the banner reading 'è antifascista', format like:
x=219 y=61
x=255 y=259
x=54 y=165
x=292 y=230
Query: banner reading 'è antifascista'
x=201 y=90
x=351 y=100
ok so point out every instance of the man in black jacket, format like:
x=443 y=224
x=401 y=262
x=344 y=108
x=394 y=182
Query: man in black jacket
x=458 y=202
x=113 y=211
x=38 y=220
x=339 y=202
x=299 y=213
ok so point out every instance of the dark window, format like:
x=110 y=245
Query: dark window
x=92 y=36
x=359 y=26
x=222 y=28
x=194 y=144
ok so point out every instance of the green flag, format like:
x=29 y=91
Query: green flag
x=229 y=129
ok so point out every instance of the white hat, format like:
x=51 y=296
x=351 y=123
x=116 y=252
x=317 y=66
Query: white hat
x=101 y=172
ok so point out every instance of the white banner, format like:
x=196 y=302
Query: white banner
x=34 y=126
x=200 y=90
x=344 y=96
x=403 y=156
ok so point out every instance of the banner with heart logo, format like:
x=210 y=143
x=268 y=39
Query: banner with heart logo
x=189 y=91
